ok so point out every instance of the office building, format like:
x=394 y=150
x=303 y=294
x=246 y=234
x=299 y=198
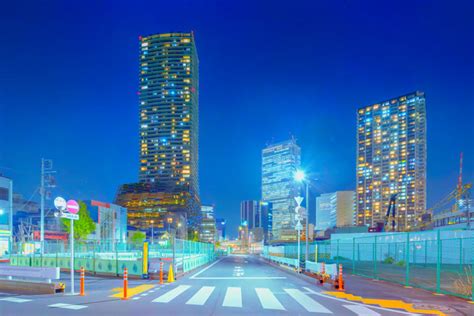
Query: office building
x=6 y=215
x=391 y=159
x=147 y=205
x=279 y=164
x=168 y=131
x=207 y=231
x=248 y=213
x=335 y=210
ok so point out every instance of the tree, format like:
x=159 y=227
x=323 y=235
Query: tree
x=83 y=226
x=138 y=237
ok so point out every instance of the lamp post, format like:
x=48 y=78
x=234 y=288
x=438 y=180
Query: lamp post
x=300 y=176
x=152 y=232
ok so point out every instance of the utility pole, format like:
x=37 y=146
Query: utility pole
x=46 y=182
x=42 y=193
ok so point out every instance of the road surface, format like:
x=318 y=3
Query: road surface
x=233 y=285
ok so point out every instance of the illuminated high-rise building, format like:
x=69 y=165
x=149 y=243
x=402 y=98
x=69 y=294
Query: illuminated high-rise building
x=391 y=159
x=169 y=120
x=279 y=164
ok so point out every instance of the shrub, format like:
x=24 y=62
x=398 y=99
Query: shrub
x=401 y=263
x=462 y=284
x=389 y=260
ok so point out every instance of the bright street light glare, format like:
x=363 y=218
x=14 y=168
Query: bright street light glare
x=299 y=175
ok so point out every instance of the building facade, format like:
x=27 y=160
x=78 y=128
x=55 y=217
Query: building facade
x=110 y=219
x=279 y=164
x=207 y=232
x=169 y=131
x=335 y=210
x=6 y=215
x=248 y=213
x=391 y=159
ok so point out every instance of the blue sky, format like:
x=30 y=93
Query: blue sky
x=268 y=70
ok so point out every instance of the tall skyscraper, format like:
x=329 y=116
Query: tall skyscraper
x=169 y=121
x=248 y=213
x=391 y=159
x=335 y=210
x=279 y=164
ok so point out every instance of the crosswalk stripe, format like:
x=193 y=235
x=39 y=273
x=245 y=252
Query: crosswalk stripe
x=361 y=310
x=268 y=300
x=201 y=296
x=233 y=297
x=67 y=306
x=167 y=297
x=15 y=299
x=307 y=302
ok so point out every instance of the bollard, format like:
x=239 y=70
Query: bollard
x=161 y=272
x=125 y=284
x=82 y=282
x=340 y=280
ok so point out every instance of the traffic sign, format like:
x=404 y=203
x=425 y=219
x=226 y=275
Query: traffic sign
x=298 y=200
x=69 y=216
x=72 y=207
x=60 y=203
x=299 y=226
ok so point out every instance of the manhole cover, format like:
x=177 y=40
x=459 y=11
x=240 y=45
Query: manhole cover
x=435 y=307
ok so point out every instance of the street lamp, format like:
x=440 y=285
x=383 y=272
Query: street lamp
x=300 y=176
x=152 y=232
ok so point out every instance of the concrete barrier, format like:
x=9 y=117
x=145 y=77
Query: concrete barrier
x=25 y=287
x=29 y=273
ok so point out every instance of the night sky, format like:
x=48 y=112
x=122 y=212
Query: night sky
x=268 y=70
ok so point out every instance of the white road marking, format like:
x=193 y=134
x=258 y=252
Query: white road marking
x=67 y=306
x=360 y=304
x=15 y=299
x=233 y=297
x=201 y=296
x=136 y=298
x=199 y=272
x=307 y=302
x=167 y=297
x=268 y=300
x=361 y=310
x=240 y=278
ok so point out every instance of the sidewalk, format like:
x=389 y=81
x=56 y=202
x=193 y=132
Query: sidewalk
x=422 y=299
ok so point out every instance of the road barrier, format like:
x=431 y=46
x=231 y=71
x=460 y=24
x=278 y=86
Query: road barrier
x=125 y=284
x=282 y=260
x=109 y=258
x=437 y=261
x=81 y=293
x=327 y=273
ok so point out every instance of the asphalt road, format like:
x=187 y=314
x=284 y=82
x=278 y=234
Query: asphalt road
x=234 y=285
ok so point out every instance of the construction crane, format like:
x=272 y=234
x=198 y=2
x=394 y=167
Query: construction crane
x=390 y=217
x=458 y=195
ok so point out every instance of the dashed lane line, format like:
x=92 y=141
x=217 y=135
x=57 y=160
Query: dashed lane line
x=67 y=306
x=15 y=299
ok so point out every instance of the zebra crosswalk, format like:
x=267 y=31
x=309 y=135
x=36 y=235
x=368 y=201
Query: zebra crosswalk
x=233 y=298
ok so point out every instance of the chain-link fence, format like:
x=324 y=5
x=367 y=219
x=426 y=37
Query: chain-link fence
x=437 y=261
x=112 y=257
